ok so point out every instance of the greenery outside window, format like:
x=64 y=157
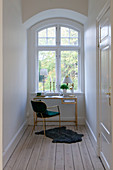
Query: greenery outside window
x=59 y=50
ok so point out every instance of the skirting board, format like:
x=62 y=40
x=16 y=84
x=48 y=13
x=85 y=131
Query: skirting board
x=92 y=136
x=81 y=121
x=12 y=145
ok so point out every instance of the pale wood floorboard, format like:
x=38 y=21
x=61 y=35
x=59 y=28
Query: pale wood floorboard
x=59 y=163
x=36 y=152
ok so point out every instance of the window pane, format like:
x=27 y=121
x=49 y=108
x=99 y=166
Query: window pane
x=69 y=36
x=73 y=33
x=65 y=41
x=46 y=61
x=42 y=33
x=64 y=32
x=74 y=41
x=42 y=41
x=51 y=32
x=69 y=66
x=47 y=37
x=51 y=41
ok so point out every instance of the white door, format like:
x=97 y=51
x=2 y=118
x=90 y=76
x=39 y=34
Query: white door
x=105 y=89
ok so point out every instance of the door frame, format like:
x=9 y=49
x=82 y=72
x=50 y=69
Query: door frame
x=1 y=81
x=101 y=14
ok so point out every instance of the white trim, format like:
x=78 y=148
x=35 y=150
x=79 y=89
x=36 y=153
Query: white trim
x=81 y=121
x=103 y=11
x=105 y=161
x=92 y=136
x=1 y=81
x=112 y=74
x=97 y=86
x=53 y=13
x=12 y=145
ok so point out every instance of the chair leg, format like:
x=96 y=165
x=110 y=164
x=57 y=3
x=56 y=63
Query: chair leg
x=32 y=130
x=59 y=116
x=44 y=126
x=59 y=121
x=34 y=123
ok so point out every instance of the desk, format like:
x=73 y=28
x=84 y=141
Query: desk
x=64 y=100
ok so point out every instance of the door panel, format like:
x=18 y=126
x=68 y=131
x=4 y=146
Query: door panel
x=105 y=89
x=105 y=118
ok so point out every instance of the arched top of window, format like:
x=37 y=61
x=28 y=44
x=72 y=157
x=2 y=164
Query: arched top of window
x=47 y=36
x=66 y=36
x=69 y=36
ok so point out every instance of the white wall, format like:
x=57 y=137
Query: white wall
x=94 y=8
x=1 y=80
x=33 y=7
x=14 y=71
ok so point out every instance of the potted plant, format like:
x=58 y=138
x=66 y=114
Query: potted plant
x=64 y=87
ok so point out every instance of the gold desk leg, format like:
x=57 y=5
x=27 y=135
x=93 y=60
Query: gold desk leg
x=59 y=121
x=34 y=122
x=76 y=115
x=44 y=126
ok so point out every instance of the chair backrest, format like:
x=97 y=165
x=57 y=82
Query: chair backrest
x=39 y=106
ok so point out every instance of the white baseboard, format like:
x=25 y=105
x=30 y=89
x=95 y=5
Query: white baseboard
x=81 y=121
x=92 y=136
x=12 y=145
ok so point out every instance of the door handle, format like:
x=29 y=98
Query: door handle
x=109 y=94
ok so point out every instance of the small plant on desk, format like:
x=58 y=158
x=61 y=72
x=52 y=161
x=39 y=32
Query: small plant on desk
x=64 y=87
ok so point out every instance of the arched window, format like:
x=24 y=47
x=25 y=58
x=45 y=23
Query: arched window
x=58 y=53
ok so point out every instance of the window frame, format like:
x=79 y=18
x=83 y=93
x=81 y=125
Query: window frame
x=34 y=49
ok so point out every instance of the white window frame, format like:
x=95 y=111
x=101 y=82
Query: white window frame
x=33 y=50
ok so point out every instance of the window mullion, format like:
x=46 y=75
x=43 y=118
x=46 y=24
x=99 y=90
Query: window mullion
x=58 y=71
x=79 y=71
x=57 y=57
x=57 y=36
x=46 y=36
x=69 y=48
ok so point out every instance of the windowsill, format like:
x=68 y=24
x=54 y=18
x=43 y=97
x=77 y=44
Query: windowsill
x=59 y=93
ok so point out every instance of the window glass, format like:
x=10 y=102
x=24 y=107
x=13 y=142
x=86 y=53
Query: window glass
x=46 y=60
x=58 y=57
x=69 y=66
x=69 y=37
x=47 y=36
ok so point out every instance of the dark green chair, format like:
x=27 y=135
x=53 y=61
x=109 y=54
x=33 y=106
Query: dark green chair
x=41 y=111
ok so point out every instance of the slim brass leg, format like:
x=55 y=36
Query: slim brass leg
x=44 y=126
x=32 y=130
x=59 y=121
x=76 y=115
x=59 y=116
x=34 y=122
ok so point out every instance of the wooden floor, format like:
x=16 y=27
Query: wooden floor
x=36 y=152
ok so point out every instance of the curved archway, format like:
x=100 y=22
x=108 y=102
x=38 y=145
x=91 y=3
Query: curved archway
x=56 y=13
